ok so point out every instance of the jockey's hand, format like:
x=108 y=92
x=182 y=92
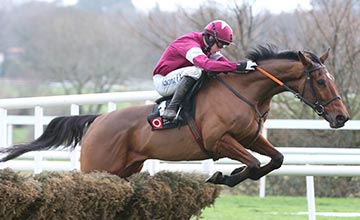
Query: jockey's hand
x=245 y=66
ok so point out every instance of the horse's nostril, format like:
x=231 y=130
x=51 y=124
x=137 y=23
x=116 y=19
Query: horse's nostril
x=341 y=119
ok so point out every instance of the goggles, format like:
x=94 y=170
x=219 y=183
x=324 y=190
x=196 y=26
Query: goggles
x=221 y=44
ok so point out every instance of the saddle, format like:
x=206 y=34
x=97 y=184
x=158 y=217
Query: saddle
x=187 y=108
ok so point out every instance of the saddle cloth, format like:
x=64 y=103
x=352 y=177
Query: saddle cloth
x=156 y=120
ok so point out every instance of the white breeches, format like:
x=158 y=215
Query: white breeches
x=166 y=85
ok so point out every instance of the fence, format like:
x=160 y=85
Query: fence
x=307 y=162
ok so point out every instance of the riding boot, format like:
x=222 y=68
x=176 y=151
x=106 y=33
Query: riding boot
x=184 y=86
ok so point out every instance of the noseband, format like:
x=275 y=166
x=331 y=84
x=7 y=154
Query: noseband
x=317 y=106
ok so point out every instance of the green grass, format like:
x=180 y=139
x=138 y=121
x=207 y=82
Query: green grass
x=231 y=207
x=22 y=134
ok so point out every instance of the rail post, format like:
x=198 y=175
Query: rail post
x=74 y=154
x=3 y=127
x=262 y=184
x=3 y=130
x=310 y=194
x=39 y=115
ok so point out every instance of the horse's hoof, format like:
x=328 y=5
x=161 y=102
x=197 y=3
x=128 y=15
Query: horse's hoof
x=216 y=178
x=237 y=170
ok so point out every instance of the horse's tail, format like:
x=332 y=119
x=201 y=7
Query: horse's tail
x=62 y=131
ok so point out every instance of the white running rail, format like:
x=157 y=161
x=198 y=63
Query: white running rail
x=307 y=162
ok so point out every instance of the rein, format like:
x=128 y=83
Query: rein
x=259 y=115
x=317 y=106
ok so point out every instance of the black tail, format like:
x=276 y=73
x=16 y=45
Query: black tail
x=61 y=131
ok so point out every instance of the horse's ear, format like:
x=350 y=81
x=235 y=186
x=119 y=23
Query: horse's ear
x=304 y=60
x=325 y=56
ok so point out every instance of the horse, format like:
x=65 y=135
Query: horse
x=230 y=112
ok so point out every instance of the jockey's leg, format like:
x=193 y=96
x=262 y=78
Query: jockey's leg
x=184 y=86
x=176 y=83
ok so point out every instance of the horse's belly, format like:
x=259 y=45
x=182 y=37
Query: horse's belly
x=174 y=146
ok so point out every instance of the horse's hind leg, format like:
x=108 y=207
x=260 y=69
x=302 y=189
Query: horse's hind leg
x=264 y=147
x=227 y=146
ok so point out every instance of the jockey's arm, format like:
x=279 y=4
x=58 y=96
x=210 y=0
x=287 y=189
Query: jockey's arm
x=221 y=64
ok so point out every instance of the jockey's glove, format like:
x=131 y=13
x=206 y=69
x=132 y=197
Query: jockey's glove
x=245 y=66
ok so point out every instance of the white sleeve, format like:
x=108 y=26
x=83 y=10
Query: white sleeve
x=192 y=53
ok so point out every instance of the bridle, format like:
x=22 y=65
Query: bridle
x=317 y=106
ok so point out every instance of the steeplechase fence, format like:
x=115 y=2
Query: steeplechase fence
x=309 y=162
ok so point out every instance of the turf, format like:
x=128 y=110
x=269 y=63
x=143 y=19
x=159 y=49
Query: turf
x=232 y=207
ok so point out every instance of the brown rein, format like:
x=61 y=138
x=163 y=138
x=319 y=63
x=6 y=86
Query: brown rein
x=254 y=106
x=318 y=107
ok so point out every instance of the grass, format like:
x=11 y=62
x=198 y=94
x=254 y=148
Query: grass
x=22 y=134
x=230 y=207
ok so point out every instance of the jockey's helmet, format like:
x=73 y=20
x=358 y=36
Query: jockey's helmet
x=220 y=30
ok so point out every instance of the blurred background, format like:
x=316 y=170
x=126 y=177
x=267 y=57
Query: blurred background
x=87 y=46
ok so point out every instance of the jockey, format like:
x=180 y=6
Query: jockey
x=184 y=60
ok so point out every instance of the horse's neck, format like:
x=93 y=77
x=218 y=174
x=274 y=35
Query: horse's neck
x=287 y=71
x=254 y=87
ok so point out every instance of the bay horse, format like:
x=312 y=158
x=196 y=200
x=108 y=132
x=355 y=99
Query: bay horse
x=230 y=112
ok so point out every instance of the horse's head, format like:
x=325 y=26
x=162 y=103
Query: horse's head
x=319 y=90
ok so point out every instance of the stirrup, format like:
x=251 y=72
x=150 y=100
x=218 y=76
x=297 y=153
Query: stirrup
x=169 y=116
x=177 y=115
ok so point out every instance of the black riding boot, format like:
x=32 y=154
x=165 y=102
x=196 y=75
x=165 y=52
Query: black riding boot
x=184 y=86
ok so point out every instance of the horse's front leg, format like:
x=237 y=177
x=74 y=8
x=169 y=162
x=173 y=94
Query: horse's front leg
x=264 y=147
x=227 y=146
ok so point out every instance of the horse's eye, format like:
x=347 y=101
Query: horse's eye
x=321 y=82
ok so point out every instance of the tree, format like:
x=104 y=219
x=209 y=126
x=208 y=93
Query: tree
x=161 y=27
x=335 y=24
x=106 y=5
x=330 y=24
x=84 y=51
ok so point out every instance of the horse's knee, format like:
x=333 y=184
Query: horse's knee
x=254 y=170
x=277 y=161
x=254 y=167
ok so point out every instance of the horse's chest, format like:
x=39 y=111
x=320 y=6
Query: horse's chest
x=245 y=128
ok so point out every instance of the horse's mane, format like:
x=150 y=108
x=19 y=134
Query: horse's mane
x=271 y=52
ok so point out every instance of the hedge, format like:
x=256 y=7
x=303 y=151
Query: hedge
x=102 y=196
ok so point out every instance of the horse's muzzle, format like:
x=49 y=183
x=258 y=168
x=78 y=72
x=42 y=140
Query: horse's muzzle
x=339 y=121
